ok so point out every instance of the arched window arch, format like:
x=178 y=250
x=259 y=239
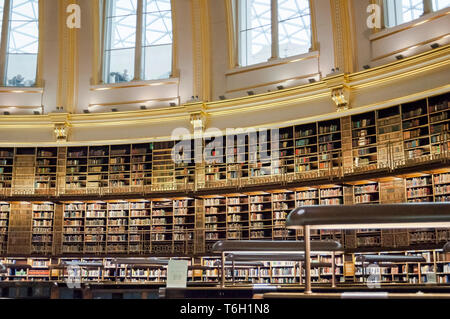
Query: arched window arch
x=19 y=42
x=138 y=40
x=272 y=28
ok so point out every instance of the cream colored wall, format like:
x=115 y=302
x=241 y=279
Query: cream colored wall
x=231 y=83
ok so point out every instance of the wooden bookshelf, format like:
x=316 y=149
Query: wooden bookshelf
x=260 y=215
x=330 y=144
x=237 y=216
x=364 y=139
x=390 y=139
x=163 y=166
x=46 y=165
x=416 y=139
x=42 y=227
x=5 y=209
x=140 y=226
x=98 y=167
x=95 y=229
x=6 y=167
x=117 y=231
x=306 y=148
x=162 y=225
x=77 y=169
x=439 y=117
x=215 y=218
x=141 y=165
x=74 y=227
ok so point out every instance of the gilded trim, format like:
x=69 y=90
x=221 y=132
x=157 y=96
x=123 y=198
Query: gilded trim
x=97 y=52
x=40 y=59
x=232 y=58
x=314 y=40
x=175 y=71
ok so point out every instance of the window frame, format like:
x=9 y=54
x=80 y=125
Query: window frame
x=138 y=62
x=4 y=44
x=235 y=51
x=388 y=15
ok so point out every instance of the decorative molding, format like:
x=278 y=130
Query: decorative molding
x=343 y=35
x=61 y=126
x=68 y=61
x=202 y=49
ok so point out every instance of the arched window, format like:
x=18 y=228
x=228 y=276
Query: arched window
x=138 y=40
x=19 y=42
x=287 y=23
x=402 y=11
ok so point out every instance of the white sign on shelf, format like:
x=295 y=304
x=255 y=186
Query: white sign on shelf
x=177 y=274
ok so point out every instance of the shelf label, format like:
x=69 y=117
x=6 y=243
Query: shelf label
x=177 y=274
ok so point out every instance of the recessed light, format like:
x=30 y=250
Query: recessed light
x=434 y=45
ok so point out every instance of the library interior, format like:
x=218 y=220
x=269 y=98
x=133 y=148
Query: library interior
x=256 y=149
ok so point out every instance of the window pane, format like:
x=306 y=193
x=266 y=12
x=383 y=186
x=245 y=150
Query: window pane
x=294 y=27
x=157 y=61
x=411 y=10
x=254 y=31
x=157 y=40
x=21 y=69
x=120 y=43
x=23 y=41
x=121 y=65
x=2 y=3
x=440 y=4
x=402 y=11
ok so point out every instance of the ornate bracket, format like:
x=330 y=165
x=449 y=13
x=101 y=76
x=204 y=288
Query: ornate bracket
x=341 y=97
x=340 y=91
x=61 y=126
x=198 y=116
